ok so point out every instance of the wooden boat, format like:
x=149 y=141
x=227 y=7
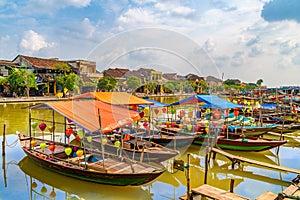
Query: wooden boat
x=93 y=167
x=252 y=130
x=170 y=141
x=136 y=148
x=239 y=143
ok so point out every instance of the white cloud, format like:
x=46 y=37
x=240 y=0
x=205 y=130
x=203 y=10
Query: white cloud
x=209 y=45
x=46 y=6
x=135 y=16
x=33 y=42
x=175 y=10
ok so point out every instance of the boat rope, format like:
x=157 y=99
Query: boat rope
x=13 y=144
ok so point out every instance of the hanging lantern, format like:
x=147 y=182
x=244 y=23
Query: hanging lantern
x=69 y=131
x=189 y=127
x=79 y=153
x=141 y=114
x=104 y=141
x=164 y=110
x=52 y=147
x=77 y=137
x=68 y=151
x=43 y=190
x=134 y=107
x=52 y=194
x=89 y=139
x=173 y=111
x=117 y=144
x=43 y=145
x=236 y=113
x=145 y=124
x=206 y=129
x=51 y=129
x=80 y=133
x=173 y=124
x=190 y=114
x=33 y=143
x=217 y=114
x=34 y=185
x=181 y=113
x=156 y=110
x=42 y=126
x=34 y=125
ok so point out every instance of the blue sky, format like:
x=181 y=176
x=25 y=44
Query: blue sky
x=248 y=40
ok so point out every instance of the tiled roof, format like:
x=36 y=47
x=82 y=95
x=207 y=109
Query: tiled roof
x=7 y=63
x=117 y=72
x=41 y=63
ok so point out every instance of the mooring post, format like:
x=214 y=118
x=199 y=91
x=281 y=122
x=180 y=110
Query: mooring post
x=3 y=140
x=231 y=184
x=188 y=177
x=206 y=165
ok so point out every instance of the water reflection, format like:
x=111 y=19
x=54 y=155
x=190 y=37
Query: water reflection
x=44 y=183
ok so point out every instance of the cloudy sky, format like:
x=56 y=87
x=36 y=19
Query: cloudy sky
x=247 y=40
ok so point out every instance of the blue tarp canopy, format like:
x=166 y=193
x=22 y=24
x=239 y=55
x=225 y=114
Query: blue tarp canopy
x=155 y=104
x=268 y=105
x=211 y=101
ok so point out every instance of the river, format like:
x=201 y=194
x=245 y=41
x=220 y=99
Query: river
x=21 y=179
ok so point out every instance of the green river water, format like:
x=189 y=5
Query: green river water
x=21 y=179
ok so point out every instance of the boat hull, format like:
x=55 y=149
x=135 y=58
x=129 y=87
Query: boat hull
x=247 y=144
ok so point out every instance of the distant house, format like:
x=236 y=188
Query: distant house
x=117 y=73
x=194 y=77
x=5 y=66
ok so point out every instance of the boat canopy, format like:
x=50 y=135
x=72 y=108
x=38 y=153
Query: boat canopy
x=211 y=101
x=115 y=98
x=155 y=104
x=85 y=114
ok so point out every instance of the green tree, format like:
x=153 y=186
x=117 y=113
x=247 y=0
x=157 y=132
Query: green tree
x=67 y=81
x=21 y=78
x=150 y=87
x=259 y=82
x=62 y=67
x=169 y=87
x=133 y=82
x=107 y=83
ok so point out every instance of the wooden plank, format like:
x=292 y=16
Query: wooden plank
x=255 y=162
x=290 y=190
x=216 y=193
x=267 y=195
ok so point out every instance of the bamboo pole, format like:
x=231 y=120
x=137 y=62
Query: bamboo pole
x=188 y=177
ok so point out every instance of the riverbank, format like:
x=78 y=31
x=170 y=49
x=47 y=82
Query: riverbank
x=30 y=99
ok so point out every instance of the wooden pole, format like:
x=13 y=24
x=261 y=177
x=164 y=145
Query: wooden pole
x=3 y=155
x=4 y=140
x=188 y=177
x=231 y=184
x=205 y=166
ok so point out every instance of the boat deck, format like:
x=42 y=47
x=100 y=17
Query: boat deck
x=114 y=166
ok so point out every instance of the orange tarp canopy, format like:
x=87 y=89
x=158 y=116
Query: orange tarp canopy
x=116 y=98
x=85 y=114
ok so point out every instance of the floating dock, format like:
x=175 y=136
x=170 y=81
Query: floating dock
x=238 y=159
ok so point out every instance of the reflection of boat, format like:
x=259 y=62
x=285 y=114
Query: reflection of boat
x=88 y=164
x=75 y=187
x=239 y=143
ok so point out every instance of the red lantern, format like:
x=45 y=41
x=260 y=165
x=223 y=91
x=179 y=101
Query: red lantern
x=236 y=113
x=134 y=107
x=181 y=113
x=156 y=111
x=42 y=126
x=164 y=110
x=52 y=147
x=145 y=124
x=69 y=131
x=141 y=114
